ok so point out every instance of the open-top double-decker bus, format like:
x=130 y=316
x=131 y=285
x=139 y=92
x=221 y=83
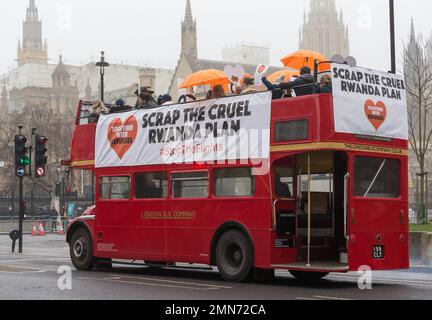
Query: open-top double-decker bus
x=311 y=184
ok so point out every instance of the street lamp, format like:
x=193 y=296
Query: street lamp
x=392 y=37
x=102 y=64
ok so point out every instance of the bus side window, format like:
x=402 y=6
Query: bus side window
x=284 y=182
x=190 y=185
x=151 y=185
x=233 y=182
x=114 y=188
x=376 y=178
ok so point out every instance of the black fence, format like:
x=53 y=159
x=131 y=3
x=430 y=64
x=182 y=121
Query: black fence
x=40 y=207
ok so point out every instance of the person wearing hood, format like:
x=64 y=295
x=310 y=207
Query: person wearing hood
x=302 y=86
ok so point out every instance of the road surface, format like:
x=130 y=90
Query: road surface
x=34 y=275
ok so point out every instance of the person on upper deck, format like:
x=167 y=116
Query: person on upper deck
x=166 y=99
x=302 y=86
x=326 y=84
x=249 y=86
x=145 y=98
x=218 y=92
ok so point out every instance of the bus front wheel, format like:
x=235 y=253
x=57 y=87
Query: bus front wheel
x=234 y=256
x=308 y=276
x=81 y=250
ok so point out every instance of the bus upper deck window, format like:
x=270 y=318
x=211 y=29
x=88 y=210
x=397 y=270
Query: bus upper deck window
x=190 y=185
x=376 y=178
x=233 y=182
x=115 y=188
x=151 y=185
x=293 y=130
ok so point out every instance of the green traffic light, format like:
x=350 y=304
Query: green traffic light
x=24 y=161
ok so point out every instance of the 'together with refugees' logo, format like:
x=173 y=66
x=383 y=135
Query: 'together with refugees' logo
x=122 y=135
x=376 y=113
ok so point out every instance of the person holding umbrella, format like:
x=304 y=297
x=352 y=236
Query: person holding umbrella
x=303 y=85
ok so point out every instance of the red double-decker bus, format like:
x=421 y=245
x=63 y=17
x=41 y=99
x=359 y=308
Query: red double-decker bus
x=324 y=189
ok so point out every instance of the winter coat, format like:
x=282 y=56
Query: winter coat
x=302 y=86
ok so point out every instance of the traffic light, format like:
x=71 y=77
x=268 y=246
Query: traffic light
x=21 y=158
x=41 y=159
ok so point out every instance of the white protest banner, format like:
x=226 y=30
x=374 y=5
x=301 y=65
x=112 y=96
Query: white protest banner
x=231 y=128
x=369 y=102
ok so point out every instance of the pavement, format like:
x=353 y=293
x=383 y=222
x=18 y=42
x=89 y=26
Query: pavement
x=34 y=275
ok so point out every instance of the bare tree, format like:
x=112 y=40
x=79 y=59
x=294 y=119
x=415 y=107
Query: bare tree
x=56 y=127
x=418 y=78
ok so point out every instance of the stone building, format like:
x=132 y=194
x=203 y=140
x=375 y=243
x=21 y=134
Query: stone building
x=324 y=30
x=37 y=82
x=189 y=61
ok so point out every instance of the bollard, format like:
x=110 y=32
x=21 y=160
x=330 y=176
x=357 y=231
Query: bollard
x=14 y=235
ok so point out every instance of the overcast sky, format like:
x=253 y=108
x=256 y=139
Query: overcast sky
x=148 y=32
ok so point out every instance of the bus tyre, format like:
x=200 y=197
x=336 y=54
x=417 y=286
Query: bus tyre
x=308 y=276
x=234 y=256
x=81 y=250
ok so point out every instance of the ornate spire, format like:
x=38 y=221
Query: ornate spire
x=32 y=11
x=189 y=34
x=188 y=13
x=32 y=49
x=60 y=76
x=88 y=90
x=412 y=33
x=4 y=99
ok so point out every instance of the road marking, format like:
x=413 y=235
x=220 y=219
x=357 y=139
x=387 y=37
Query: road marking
x=11 y=269
x=148 y=284
x=176 y=282
x=331 y=298
x=384 y=280
x=25 y=260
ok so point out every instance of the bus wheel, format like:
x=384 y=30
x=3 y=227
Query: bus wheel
x=308 y=276
x=81 y=250
x=234 y=256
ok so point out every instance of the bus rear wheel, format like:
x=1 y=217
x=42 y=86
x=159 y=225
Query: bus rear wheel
x=81 y=250
x=308 y=276
x=234 y=256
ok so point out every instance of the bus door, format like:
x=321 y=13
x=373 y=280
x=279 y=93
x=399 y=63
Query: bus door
x=378 y=212
x=285 y=201
x=112 y=228
x=150 y=214
x=322 y=207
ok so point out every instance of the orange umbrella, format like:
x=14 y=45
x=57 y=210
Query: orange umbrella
x=288 y=74
x=306 y=58
x=210 y=77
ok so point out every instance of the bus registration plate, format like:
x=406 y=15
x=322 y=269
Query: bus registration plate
x=378 y=252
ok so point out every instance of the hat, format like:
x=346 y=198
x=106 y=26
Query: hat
x=145 y=90
x=166 y=98
x=120 y=103
x=305 y=70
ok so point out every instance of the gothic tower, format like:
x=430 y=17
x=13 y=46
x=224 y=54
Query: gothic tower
x=189 y=34
x=4 y=109
x=32 y=50
x=88 y=90
x=64 y=95
x=324 y=30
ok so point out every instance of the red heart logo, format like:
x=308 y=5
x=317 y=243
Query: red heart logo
x=122 y=135
x=376 y=113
